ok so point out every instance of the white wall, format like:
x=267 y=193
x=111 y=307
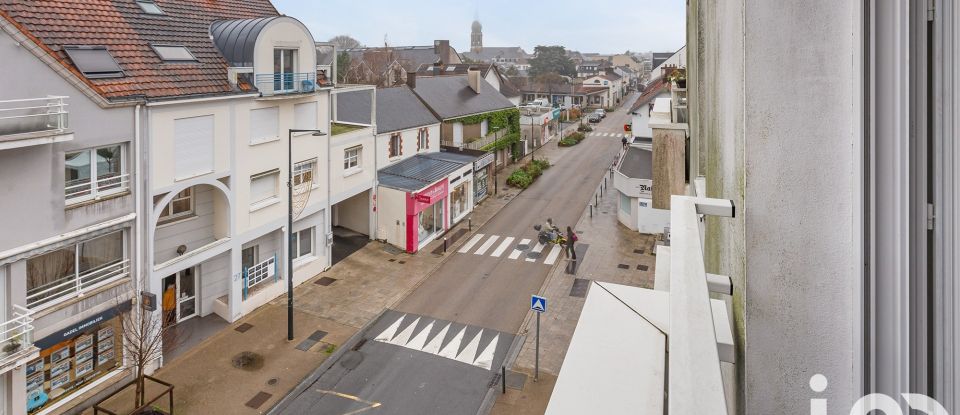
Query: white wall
x=194 y=232
x=346 y=183
x=650 y=220
x=354 y=213
x=392 y=216
x=214 y=281
x=409 y=145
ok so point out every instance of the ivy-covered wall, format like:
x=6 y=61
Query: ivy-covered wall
x=498 y=120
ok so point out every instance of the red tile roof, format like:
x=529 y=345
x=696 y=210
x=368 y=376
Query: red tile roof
x=127 y=32
x=652 y=90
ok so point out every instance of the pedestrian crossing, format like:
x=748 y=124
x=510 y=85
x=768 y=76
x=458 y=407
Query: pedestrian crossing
x=496 y=245
x=603 y=134
x=471 y=345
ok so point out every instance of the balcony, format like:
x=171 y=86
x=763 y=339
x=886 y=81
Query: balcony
x=33 y=121
x=276 y=84
x=76 y=284
x=16 y=340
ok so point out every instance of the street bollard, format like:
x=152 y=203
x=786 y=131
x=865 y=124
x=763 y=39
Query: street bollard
x=503 y=378
x=470 y=224
x=591 y=210
x=444 y=244
x=596 y=200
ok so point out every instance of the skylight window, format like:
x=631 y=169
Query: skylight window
x=149 y=7
x=95 y=62
x=171 y=53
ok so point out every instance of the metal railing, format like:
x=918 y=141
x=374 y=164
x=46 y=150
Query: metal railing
x=86 y=189
x=76 y=284
x=16 y=335
x=270 y=84
x=264 y=271
x=478 y=142
x=32 y=115
x=695 y=384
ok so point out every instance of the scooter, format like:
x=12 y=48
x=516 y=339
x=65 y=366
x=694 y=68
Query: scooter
x=546 y=236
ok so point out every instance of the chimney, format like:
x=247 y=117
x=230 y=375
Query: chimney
x=412 y=79
x=442 y=49
x=473 y=77
x=437 y=67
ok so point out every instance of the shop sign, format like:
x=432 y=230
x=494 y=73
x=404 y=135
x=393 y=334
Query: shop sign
x=483 y=161
x=71 y=331
x=427 y=197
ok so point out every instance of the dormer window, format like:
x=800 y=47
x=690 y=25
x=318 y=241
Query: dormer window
x=149 y=7
x=173 y=53
x=284 y=62
x=95 y=62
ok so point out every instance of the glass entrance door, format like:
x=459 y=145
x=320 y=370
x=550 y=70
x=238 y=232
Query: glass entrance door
x=180 y=296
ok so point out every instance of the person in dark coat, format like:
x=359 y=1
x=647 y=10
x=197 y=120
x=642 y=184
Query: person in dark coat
x=571 y=238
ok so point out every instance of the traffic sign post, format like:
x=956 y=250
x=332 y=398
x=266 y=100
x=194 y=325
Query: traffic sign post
x=539 y=305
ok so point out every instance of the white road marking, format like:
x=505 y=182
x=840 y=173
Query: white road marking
x=450 y=350
x=390 y=331
x=421 y=338
x=486 y=245
x=503 y=247
x=517 y=252
x=434 y=346
x=469 y=353
x=473 y=241
x=404 y=337
x=485 y=360
x=536 y=250
x=552 y=256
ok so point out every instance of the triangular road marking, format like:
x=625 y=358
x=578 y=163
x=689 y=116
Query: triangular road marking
x=390 y=331
x=434 y=346
x=485 y=360
x=404 y=337
x=469 y=353
x=421 y=339
x=450 y=350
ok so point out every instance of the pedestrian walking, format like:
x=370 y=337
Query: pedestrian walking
x=571 y=238
x=624 y=141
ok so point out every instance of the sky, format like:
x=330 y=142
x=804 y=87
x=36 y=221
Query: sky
x=602 y=26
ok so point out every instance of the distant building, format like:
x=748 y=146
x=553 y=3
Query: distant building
x=388 y=66
x=476 y=37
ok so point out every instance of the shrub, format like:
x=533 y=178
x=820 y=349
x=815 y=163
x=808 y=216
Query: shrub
x=567 y=142
x=542 y=163
x=519 y=178
x=577 y=136
x=585 y=128
x=533 y=170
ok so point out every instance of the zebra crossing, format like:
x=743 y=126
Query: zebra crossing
x=603 y=134
x=481 y=244
x=471 y=345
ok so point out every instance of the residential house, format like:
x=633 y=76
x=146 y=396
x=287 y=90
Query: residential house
x=629 y=61
x=465 y=106
x=586 y=69
x=506 y=57
x=643 y=106
x=490 y=72
x=612 y=82
x=389 y=65
x=676 y=60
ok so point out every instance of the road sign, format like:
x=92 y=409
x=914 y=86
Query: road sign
x=538 y=303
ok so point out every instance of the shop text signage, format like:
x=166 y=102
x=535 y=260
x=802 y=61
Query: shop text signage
x=72 y=331
x=427 y=197
x=483 y=161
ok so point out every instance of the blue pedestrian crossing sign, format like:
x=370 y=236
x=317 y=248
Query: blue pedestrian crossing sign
x=538 y=303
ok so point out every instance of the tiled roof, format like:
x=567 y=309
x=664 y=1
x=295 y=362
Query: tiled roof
x=451 y=96
x=397 y=109
x=490 y=53
x=652 y=90
x=417 y=172
x=127 y=32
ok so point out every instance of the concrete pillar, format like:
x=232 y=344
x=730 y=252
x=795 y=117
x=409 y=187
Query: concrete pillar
x=235 y=297
x=668 y=165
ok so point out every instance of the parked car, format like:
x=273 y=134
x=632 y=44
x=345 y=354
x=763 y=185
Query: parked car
x=594 y=118
x=600 y=112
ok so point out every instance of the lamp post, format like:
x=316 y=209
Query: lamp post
x=290 y=244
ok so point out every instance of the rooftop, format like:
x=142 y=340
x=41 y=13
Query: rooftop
x=421 y=170
x=637 y=163
x=397 y=109
x=451 y=96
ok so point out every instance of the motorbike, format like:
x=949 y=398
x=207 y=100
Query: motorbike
x=550 y=235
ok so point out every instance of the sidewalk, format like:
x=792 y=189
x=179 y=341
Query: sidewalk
x=330 y=308
x=613 y=254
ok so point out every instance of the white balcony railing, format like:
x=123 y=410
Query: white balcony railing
x=76 y=284
x=257 y=274
x=82 y=190
x=33 y=115
x=16 y=339
x=270 y=84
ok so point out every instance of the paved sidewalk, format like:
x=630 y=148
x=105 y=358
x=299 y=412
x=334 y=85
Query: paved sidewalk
x=614 y=254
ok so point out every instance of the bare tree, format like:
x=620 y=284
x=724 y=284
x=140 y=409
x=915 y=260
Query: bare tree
x=345 y=42
x=145 y=338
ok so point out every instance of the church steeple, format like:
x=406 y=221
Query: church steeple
x=476 y=36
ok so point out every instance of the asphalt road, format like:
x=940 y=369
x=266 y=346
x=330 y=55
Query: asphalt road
x=439 y=351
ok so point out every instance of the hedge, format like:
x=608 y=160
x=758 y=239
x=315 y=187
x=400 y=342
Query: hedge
x=572 y=140
x=525 y=176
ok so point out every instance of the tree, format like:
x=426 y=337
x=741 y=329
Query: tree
x=345 y=42
x=343 y=66
x=512 y=71
x=144 y=339
x=552 y=59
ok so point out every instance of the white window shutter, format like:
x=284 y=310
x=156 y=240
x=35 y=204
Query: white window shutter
x=193 y=146
x=264 y=124
x=305 y=116
x=263 y=187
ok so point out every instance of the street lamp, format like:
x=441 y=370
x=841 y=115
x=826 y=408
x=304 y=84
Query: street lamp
x=290 y=244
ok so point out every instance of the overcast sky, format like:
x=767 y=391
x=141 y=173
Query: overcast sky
x=603 y=26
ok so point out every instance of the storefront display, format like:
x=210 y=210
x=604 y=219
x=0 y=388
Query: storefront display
x=72 y=358
x=459 y=202
x=425 y=215
x=481 y=169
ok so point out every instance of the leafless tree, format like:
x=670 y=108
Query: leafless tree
x=345 y=42
x=145 y=338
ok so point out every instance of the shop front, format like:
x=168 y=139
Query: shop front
x=482 y=177
x=75 y=357
x=425 y=215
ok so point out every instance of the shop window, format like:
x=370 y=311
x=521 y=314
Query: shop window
x=431 y=222
x=351 y=158
x=179 y=208
x=396 y=145
x=624 y=203
x=94 y=173
x=71 y=271
x=459 y=201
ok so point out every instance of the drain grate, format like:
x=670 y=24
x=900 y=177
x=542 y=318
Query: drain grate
x=318 y=335
x=516 y=380
x=309 y=342
x=359 y=344
x=638 y=251
x=243 y=327
x=623 y=266
x=259 y=399
x=579 y=288
x=643 y=267
x=325 y=281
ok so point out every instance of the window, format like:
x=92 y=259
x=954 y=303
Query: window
x=625 y=203
x=351 y=158
x=303 y=241
x=91 y=174
x=396 y=143
x=305 y=116
x=423 y=139
x=193 y=146
x=181 y=206
x=263 y=186
x=149 y=7
x=174 y=53
x=95 y=62
x=303 y=172
x=248 y=257
x=74 y=269
x=264 y=125
x=284 y=62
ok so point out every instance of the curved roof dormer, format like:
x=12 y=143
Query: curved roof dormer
x=237 y=40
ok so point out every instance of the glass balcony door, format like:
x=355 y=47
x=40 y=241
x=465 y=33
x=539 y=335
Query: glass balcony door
x=284 y=64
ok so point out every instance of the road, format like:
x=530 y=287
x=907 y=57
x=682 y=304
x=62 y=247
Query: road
x=437 y=352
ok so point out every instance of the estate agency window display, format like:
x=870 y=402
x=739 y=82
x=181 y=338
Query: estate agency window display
x=91 y=349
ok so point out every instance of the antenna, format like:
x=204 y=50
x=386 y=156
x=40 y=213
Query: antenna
x=476 y=11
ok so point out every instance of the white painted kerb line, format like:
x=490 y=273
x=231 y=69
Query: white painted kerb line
x=473 y=241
